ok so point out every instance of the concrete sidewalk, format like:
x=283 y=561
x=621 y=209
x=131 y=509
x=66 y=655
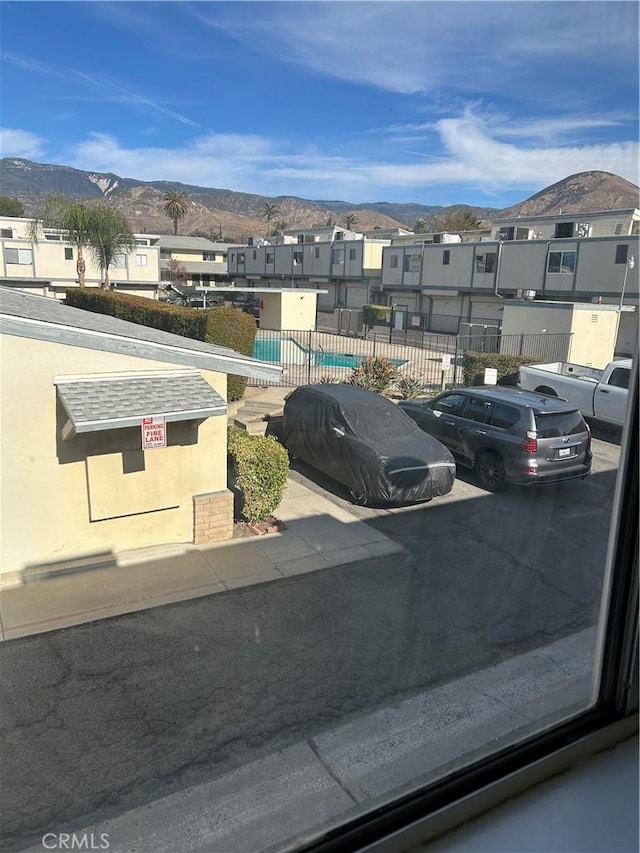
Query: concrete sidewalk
x=318 y=534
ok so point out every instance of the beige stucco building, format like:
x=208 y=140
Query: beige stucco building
x=47 y=265
x=76 y=480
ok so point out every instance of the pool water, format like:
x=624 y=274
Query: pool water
x=279 y=350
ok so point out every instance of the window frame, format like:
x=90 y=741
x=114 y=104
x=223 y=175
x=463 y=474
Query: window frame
x=393 y=261
x=561 y=270
x=427 y=813
x=622 y=249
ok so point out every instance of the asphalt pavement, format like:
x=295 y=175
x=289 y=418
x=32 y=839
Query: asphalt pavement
x=106 y=717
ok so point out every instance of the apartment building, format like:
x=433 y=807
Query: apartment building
x=47 y=265
x=472 y=280
x=204 y=260
x=344 y=263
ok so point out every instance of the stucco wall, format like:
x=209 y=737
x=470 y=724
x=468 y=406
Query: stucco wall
x=57 y=497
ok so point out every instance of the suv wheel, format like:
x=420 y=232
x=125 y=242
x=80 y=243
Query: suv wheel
x=489 y=470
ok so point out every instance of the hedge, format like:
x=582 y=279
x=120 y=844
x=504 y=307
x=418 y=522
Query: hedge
x=474 y=364
x=258 y=466
x=375 y=315
x=222 y=325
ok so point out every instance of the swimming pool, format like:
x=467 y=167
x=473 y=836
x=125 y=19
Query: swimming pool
x=289 y=351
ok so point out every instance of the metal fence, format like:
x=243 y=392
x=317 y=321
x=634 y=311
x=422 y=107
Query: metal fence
x=308 y=357
x=404 y=326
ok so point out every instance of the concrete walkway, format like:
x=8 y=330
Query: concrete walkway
x=318 y=534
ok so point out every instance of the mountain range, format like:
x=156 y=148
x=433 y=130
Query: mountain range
x=236 y=215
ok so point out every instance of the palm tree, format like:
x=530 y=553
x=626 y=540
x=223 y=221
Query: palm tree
x=349 y=219
x=269 y=211
x=109 y=236
x=420 y=226
x=280 y=227
x=70 y=217
x=175 y=206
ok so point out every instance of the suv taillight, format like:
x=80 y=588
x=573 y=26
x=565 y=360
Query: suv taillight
x=530 y=443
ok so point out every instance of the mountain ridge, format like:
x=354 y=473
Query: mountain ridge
x=238 y=215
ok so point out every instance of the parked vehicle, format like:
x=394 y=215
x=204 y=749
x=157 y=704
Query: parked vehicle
x=508 y=435
x=367 y=443
x=599 y=394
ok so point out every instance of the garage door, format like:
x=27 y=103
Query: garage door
x=357 y=296
x=450 y=307
x=486 y=311
x=327 y=300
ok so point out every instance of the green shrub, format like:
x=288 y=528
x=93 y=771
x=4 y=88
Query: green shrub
x=474 y=364
x=228 y=327
x=410 y=387
x=376 y=315
x=258 y=467
x=222 y=326
x=329 y=380
x=375 y=373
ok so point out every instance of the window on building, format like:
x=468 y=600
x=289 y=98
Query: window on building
x=6 y=232
x=561 y=262
x=486 y=262
x=618 y=229
x=68 y=254
x=446 y=257
x=352 y=254
x=165 y=255
x=316 y=252
x=270 y=256
x=393 y=261
x=240 y=257
x=412 y=262
x=142 y=243
x=119 y=260
x=622 y=253
x=55 y=237
x=18 y=256
x=208 y=256
x=564 y=229
x=233 y=256
x=255 y=254
x=339 y=235
x=141 y=260
x=297 y=257
x=300 y=238
x=337 y=256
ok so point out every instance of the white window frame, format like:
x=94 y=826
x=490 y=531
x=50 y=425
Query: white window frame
x=23 y=257
x=142 y=260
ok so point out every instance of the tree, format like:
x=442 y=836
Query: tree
x=269 y=211
x=349 y=220
x=175 y=206
x=176 y=273
x=420 y=226
x=73 y=218
x=11 y=206
x=109 y=235
x=455 y=219
x=330 y=222
x=280 y=227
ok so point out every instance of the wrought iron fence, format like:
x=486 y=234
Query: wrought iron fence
x=312 y=356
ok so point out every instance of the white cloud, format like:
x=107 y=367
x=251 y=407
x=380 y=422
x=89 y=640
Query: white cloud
x=20 y=143
x=419 y=47
x=469 y=154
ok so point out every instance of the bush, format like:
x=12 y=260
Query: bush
x=375 y=373
x=474 y=364
x=329 y=380
x=376 y=315
x=222 y=325
x=228 y=327
x=410 y=387
x=258 y=467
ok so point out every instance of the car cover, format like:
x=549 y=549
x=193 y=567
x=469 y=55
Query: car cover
x=366 y=443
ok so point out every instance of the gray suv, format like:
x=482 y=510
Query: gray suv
x=508 y=435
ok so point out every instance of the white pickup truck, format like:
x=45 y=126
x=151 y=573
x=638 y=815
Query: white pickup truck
x=599 y=394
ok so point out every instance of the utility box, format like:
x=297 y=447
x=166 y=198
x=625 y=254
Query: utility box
x=578 y=332
x=291 y=310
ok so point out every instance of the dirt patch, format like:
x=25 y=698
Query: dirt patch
x=243 y=529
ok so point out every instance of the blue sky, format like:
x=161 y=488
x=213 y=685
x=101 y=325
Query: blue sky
x=480 y=103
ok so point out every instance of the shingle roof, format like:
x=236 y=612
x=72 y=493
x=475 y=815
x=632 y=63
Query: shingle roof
x=110 y=402
x=43 y=318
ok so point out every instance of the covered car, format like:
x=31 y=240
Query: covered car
x=367 y=443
